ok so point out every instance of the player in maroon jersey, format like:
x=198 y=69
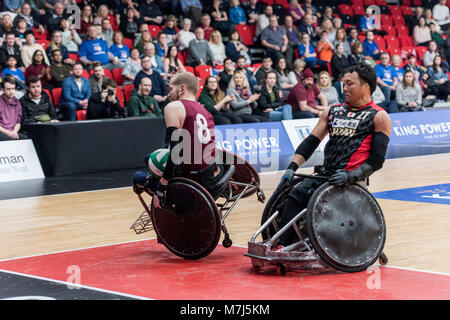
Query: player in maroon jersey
x=359 y=134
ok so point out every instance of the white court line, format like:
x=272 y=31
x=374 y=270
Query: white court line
x=75 y=285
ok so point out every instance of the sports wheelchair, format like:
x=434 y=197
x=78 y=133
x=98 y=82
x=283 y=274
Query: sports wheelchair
x=190 y=225
x=342 y=228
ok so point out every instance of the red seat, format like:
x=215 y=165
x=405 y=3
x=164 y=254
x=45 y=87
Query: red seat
x=154 y=30
x=120 y=96
x=370 y=2
x=386 y=20
x=417 y=3
x=345 y=9
x=407 y=11
x=381 y=2
x=74 y=56
x=108 y=73
x=380 y=41
x=127 y=90
x=390 y=30
x=406 y=51
x=420 y=50
x=284 y=3
x=357 y=3
x=85 y=74
x=246 y=34
x=406 y=3
x=128 y=42
x=399 y=20
x=117 y=76
x=38 y=35
x=56 y=94
x=392 y=41
x=395 y=10
x=402 y=31
x=359 y=10
x=43 y=42
x=81 y=115
x=203 y=71
x=190 y=69
x=393 y=51
x=406 y=41
x=49 y=95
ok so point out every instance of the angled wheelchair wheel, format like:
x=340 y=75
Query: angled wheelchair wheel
x=276 y=203
x=346 y=227
x=190 y=224
x=244 y=173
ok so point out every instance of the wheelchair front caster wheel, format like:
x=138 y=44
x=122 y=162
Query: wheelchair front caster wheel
x=383 y=260
x=227 y=242
x=261 y=196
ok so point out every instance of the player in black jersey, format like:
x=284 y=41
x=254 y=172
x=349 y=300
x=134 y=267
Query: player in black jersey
x=359 y=135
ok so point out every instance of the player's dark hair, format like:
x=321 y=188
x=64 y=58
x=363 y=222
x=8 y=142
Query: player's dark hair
x=366 y=74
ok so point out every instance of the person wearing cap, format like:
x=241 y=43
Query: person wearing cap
x=303 y=97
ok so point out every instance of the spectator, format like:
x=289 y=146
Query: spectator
x=253 y=10
x=151 y=12
x=143 y=27
x=380 y=100
x=441 y=14
x=266 y=67
x=282 y=75
x=217 y=47
x=158 y=87
x=170 y=30
x=263 y=20
x=206 y=26
x=296 y=12
x=353 y=37
x=172 y=64
x=94 y=50
x=341 y=37
x=275 y=40
x=296 y=75
x=269 y=103
x=325 y=47
x=409 y=93
x=367 y=22
x=132 y=67
x=371 y=48
x=396 y=63
x=17 y=74
x=76 y=92
x=107 y=33
x=171 y=6
x=226 y=75
x=429 y=19
x=13 y=5
x=56 y=43
x=20 y=29
x=118 y=52
x=330 y=92
x=122 y=8
x=29 y=48
x=421 y=33
x=438 y=82
x=199 y=52
x=10 y=48
x=414 y=20
x=411 y=65
x=161 y=45
x=7 y=26
x=327 y=25
x=144 y=40
x=429 y=55
x=102 y=14
x=440 y=41
x=53 y=18
x=220 y=18
x=39 y=69
x=70 y=37
x=36 y=104
x=10 y=112
x=104 y=104
x=386 y=76
x=303 y=97
x=141 y=103
x=307 y=52
x=294 y=39
x=241 y=66
x=185 y=36
x=97 y=78
x=339 y=61
x=307 y=5
x=156 y=61
x=237 y=14
x=217 y=103
x=86 y=20
x=244 y=101
x=130 y=26
x=235 y=48
x=58 y=70
x=193 y=10
x=357 y=55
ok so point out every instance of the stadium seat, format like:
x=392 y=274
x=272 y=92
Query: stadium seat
x=359 y=10
x=406 y=3
x=43 y=42
x=395 y=10
x=345 y=9
x=391 y=41
x=108 y=73
x=180 y=56
x=117 y=76
x=386 y=20
x=284 y=3
x=74 y=56
x=154 y=30
x=390 y=30
x=128 y=43
x=38 y=35
x=399 y=21
x=417 y=3
x=49 y=94
x=381 y=2
x=246 y=34
x=402 y=31
x=56 y=94
x=127 y=90
x=190 y=69
x=370 y=2
x=203 y=71
x=85 y=74
x=81 y=115
x=406 y=41
x=394 y=51
x=380 y=41
x=357 y=3
x=420 y=51
x=406 y=51
x=407 y=11
x=120 y=96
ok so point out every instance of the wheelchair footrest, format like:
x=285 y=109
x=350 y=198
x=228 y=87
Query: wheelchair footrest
x=142 y=224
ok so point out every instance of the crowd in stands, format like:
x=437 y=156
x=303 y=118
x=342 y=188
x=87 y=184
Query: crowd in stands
x=256 y=61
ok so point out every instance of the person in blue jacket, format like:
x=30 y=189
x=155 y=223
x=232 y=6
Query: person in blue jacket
x=94 y=50
x=76 y=91
x=237 y=14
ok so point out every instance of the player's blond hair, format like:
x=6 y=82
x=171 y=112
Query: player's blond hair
x=188 y=79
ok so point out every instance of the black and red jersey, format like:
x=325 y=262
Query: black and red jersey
x=350 y=136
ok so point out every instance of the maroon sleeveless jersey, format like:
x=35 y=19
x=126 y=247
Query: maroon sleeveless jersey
x=198 y=127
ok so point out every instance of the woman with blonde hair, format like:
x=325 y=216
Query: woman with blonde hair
x=145 y=39
x=296 y=75
x=56 y=42
x=217 y=46
x=327 y=89
x=170 y=29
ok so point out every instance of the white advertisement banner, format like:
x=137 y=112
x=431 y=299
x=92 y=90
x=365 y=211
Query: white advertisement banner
x=19 y=161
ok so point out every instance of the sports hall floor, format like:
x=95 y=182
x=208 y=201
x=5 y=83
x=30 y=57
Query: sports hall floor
x=69 y=238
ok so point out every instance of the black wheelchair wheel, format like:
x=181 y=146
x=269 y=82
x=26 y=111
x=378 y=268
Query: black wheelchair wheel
x=190 y=225
x=346 y=227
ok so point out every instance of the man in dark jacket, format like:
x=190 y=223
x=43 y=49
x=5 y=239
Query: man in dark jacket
x=104 y=104
x=10 y=48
